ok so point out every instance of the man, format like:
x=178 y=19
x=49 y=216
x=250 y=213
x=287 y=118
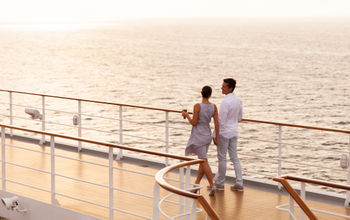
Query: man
x=229 y=115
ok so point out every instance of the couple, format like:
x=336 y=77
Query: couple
x=224 y=136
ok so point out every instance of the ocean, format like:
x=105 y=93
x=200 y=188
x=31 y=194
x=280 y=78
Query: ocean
x=287 y=70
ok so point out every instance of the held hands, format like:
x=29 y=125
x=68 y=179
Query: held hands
x=216 y=141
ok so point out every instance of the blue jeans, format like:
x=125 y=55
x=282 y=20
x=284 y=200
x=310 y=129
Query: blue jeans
x=230 y=145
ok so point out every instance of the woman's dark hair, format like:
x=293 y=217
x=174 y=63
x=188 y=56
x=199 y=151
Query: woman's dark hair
x=231 y=83
x=206 y=92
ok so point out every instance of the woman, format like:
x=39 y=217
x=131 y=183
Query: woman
x=200 y=138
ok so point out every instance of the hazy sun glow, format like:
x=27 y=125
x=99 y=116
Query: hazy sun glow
x=102 y=10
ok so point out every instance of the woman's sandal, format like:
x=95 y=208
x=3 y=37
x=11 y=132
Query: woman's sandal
x=212 y=191
x=195 y=188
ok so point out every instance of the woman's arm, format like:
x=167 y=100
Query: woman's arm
x=216 y=124
x=193 y=121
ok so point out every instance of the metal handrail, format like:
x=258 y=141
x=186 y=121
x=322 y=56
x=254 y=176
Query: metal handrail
x=298 y=199
x=123 y=133
x=93 y=101
x=160 y=180
x=317 y=182
x=107 y=144
x=53 y=173
x=297 y=126
x=166 y=111
x=175 y=111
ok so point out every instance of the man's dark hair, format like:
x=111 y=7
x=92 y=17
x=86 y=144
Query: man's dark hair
x=206 y=91
x=231 y=83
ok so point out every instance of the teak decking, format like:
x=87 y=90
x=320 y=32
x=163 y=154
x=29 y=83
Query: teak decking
x=250 y=204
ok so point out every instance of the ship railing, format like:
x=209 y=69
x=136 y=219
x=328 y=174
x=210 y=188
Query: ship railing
x=300 y=199
x=190 y=211
x=282 y=158
x=52 y=187
x=40 y=103
x=169 y=132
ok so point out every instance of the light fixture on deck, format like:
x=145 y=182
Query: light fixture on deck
x=76 y=120
x=12 y=203
x=33 y=113
x=344 y=161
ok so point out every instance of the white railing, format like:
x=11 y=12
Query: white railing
x=186 y=210
x=80 y=127
x=54 y=174
x=305 y=210
x=266 y=149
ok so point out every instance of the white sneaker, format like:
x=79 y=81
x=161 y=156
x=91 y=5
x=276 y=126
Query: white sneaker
x=218 y=187
x=237 y=188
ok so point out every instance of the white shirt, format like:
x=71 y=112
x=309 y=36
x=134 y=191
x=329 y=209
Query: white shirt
x=231 y=112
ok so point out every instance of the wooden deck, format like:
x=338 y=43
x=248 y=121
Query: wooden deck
x=250 y=204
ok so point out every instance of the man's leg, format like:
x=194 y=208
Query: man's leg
x=232 y=150
x=222 y=151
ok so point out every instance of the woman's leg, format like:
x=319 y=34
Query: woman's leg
x=200 y=174
x=207 y=171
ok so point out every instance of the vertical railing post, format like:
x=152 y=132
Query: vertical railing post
x=53 y=170
x=279 y=154
x=3 y=159
x=291 y=207
x=303 y=197
x=193 y=212
x=156 y=199
x=43 y=120
x=181 y=198
x=111 y=185
x=166 y=136
x=11 y=112
x=347 y=200
x=188 y=185
x=79 y=125
x=120 y=154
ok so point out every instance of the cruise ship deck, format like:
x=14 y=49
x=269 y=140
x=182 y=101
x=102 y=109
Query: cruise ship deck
x=87 y=167
x=253 y=203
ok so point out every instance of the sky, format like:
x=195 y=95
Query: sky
x=105 y=10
